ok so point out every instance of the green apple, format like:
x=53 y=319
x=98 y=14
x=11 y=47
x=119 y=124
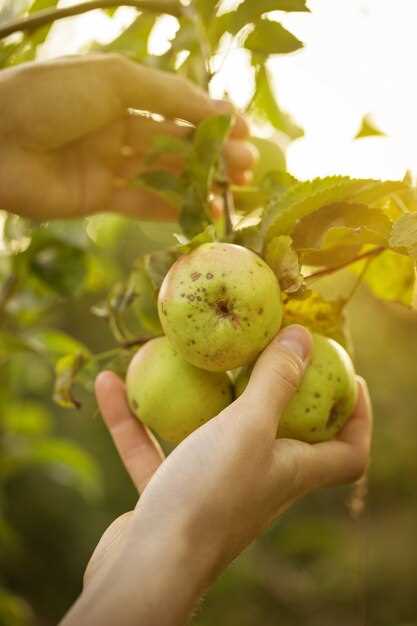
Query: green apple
x=171 y=396
x=220 y=306
x=325 y=399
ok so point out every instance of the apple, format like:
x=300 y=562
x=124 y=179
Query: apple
x=220 y=306
x=172 y=396
x=325 y=399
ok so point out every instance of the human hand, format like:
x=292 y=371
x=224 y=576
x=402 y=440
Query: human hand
x=70 y=143
x=218 y=489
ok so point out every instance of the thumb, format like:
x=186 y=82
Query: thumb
x=278 y=373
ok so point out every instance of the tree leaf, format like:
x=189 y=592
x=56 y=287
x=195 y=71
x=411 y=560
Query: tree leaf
x=325 y=317
x=133 y=41
x=249 y=12
x=264 y=105
x=58 y=266
x=283 y=260
x=303 y=199
x=271 y=38
x=158 y=264
x=164 y=183
x=28 y=419
x=69 y=463
x=368 y=129
x=404 y=234
x=390 y=276
x=66 y=370
x=167 y=144
x=55 y=344
x=188 y=245
x=336 y=232
x=200 y=170
x=271 y=158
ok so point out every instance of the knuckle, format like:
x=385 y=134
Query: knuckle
x=288 y=370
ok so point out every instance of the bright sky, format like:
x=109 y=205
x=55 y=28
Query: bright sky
x=358 y=59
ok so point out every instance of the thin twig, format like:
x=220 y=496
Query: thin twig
x=341 y=266
x=42 y=18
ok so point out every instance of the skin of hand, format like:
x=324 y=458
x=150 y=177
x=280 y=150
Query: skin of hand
x=72 y=127
x=212 y=496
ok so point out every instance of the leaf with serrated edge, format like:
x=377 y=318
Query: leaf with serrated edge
x=305 y=198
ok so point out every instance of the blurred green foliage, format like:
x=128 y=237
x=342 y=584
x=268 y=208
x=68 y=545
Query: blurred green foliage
x=68 y=292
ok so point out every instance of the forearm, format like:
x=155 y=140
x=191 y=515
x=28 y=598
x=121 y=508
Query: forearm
x=157 y=580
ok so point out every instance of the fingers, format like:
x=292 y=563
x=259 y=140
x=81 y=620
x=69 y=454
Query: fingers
x=170 y=95
x=108 y=548
x=143 y=131
x=138 y=450
x=344 y=459
x=140 y=202
x=277 y=375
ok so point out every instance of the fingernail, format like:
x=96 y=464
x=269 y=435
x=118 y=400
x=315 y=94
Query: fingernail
x=296 y=339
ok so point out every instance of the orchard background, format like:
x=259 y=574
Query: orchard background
x=76 y=295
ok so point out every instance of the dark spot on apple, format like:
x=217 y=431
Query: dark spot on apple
x=195 y=276
x=260 y=311
x=183 y=295
x=190 y=317
x=193 y=342
x=314 y=429
x=222 y=308
x=317 y=395
x=191 y=297
x=333 y=416
x=135 y=404
x=307 y=410
x=209 y=276
x=198 y=298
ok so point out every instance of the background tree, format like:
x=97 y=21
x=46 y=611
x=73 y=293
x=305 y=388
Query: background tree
x=60 y=481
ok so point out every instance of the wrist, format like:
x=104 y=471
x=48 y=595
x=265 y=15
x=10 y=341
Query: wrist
x=157 y=579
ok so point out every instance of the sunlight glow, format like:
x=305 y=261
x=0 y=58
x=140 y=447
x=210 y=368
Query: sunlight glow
x=355 y=61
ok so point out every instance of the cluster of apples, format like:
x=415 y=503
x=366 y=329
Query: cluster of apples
x=219 y=307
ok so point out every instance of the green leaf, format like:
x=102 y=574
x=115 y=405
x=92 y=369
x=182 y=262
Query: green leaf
x=271 y=38
x=164 y=183
x=133 y=42
x=55 y=344
x=58 y=266
x=271 y=158
x=188 y=245
x=14 y=611
x=264 y=105
x=27 y=419
x=158 y=264
x=283 y=260
x=368 y=129
x=336 y=232
x=66 y=370
x=69 y=463
x=305 y=198
x=249 y=12
x=390 y=276
x=404 y=234
x=42 y=5
x=200 y=171
x=206 y=8
x=167 y=144
x=322 y=316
